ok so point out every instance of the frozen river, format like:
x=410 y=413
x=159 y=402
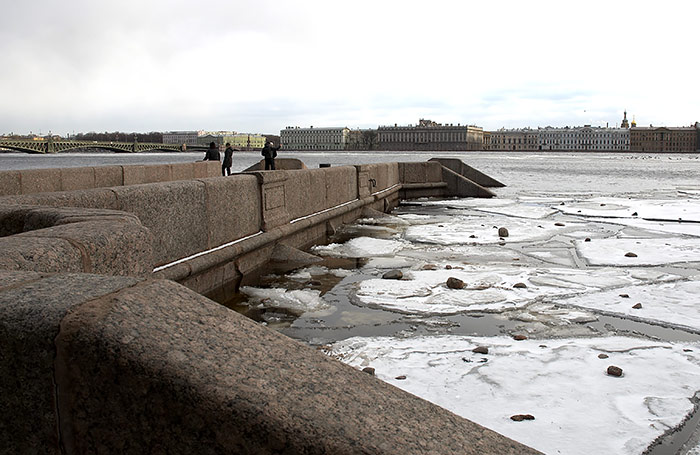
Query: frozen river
x=600 y=268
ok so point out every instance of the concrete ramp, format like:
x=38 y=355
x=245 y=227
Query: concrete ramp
x=461 y=186
x=441 y=177
x=469 y=172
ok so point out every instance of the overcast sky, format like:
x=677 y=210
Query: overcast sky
x=261 y=65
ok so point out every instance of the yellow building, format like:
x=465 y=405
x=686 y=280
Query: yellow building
x=244 y=141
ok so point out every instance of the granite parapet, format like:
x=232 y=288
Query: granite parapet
x=118 y=365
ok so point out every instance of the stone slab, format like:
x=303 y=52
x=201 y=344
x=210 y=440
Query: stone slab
x=175 y=373
x=103 y=198
x=108 y=176
x=40 y=181
x=157 y=173
x=182 y=171
x=174 y=212
x=108 y=247
x=40 y=255
x=233 y=208
x=10 y=183
x=134 y=174
x=77 y=178
x=29 y=323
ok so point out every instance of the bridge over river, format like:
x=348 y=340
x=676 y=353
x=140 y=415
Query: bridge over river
x=52 y=146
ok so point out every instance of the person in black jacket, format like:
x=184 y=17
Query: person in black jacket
x=270 y=153
x=228 y=160
x=212 y=153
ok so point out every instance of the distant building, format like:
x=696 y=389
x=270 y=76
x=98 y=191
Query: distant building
x=243 y=141
x=429 y=135
x=295 y=138
x=521 y=139
x=586 y=139
x=181 y=137
x=665 y=139
x=625 y=123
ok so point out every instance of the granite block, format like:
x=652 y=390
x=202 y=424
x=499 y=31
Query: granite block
x=10 y=183
x=103 y=198
x=133 y=174
x=109 y=247
x=177 y=373
x=232 y=207
x=40 y=180
x=174 y=212
x=108 y=176
x=77 y=178
x=40 y=255
x=182 y=171
x=29 y=323
x=157 y=173
x=341 y=185
x=11 y=278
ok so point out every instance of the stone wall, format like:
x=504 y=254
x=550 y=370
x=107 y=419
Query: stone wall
x=30 y=181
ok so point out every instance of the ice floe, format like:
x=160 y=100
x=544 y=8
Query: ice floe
x=317 y=270
x=361 y=247
x=506 y=207
x=675 y=304
x=479 y=230
x=667 y=210
x=646 y=251
x=490 y=288
x=297 y=301
x=578 y=408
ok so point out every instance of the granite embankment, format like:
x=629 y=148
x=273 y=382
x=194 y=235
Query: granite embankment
x=108 y=345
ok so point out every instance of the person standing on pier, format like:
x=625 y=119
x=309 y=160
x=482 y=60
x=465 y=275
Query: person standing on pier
x=212 y=153
x=228 y=160
x=270 y=153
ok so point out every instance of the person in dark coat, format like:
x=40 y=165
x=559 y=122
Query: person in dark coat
x=228 y=160
x=212 y=153
x=270 y=153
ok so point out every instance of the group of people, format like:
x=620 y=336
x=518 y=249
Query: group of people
x=269 y=152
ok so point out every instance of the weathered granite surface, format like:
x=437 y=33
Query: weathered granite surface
x=128 y=366
x=30 y=317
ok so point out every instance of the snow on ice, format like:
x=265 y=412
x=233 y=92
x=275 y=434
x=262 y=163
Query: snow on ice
x=578 y=408
x=490 y=288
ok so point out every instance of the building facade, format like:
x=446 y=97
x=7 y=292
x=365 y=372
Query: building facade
x=181 y=137
x=295 y=138
x=665 y=139
x=524 y=139
x=429 y=135
x=578 y=139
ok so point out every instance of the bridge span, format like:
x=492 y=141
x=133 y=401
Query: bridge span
x=52 y=146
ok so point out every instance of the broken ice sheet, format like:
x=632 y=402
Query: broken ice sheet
x=670 y=210
x=489 y=288
x=507 y=207
x=484 y=230
x=361 y=247
x=674 y=304
x=648 y=251
x=578 y=408
x=298 y=301
x=316 y=270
